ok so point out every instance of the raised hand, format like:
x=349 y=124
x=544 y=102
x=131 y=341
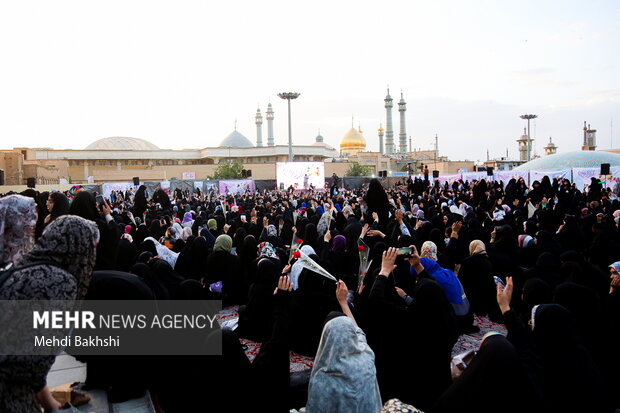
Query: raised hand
x=364 y=230
x=284 y=284
x=341 y=292
x=388 y=261
x=504 y=295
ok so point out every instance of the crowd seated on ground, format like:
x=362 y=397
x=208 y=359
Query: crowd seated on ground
x=412 y=268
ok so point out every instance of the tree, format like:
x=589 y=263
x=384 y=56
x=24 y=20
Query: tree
x=356 y=169
x=228 y=170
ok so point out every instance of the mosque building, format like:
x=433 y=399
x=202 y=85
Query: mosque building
x=119 y=159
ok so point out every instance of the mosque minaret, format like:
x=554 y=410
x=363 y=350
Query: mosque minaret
x=269 y=115
x=389 y=132
x=402 y=136
x=259 y=128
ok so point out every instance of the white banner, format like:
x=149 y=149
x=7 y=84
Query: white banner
x=506 y=176
x=474 y=176
x=189 y=175
x=300 y=175
x=582 y=176
x=557 y=173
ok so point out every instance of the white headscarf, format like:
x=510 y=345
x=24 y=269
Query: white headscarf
x=167 y=254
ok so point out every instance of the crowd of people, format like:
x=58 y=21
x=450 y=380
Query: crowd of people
x=543 y=260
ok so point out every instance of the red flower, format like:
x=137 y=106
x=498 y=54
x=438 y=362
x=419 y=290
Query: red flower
x=299 y=241
x=361 y=248
x=296 y=254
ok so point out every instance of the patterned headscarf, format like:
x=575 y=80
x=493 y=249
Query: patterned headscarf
x=429 y=250
x=71 y=242
x=267 y=250
x=272 y=231
x=18 y=218
x=616 y=266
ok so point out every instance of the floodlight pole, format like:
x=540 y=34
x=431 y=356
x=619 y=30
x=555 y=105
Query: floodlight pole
x=288 y=96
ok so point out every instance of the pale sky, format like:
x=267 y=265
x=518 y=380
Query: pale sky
x=179 y=73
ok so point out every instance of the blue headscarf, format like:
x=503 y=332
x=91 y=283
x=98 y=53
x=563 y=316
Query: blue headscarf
x=320 y=211
x=446 y=278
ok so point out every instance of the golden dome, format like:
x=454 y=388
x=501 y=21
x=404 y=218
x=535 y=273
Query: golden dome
x=353 y=142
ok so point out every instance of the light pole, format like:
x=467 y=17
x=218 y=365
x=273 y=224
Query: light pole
x=288 y=96
x=529 y=137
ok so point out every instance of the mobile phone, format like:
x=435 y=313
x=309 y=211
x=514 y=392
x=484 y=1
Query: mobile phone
x=404 y=251
x=99 y=199
x=499 y=281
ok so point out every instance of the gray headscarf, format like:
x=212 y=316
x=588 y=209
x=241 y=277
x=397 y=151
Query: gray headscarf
x=343 y=378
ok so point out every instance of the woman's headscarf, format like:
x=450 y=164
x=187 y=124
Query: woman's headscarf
x=18 y=218
x=429 y=250
x=615 y=266
x=343 y=378
x=477 y=247
x=272 y=231
x=446 y=278
x=186 y=233
x=71 y=242
x=84 y=205
x=223 y=243
x=267 y=250
x=61 y=205
x=495 y=368
x=187 y=217
x=339 y=243
x=166 y=253
x=212 y=224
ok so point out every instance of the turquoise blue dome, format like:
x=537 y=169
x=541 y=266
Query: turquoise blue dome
x=576 y=159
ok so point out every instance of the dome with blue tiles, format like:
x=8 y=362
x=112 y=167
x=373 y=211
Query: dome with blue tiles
x=576 y=159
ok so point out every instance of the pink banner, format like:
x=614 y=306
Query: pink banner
x=448 y=178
